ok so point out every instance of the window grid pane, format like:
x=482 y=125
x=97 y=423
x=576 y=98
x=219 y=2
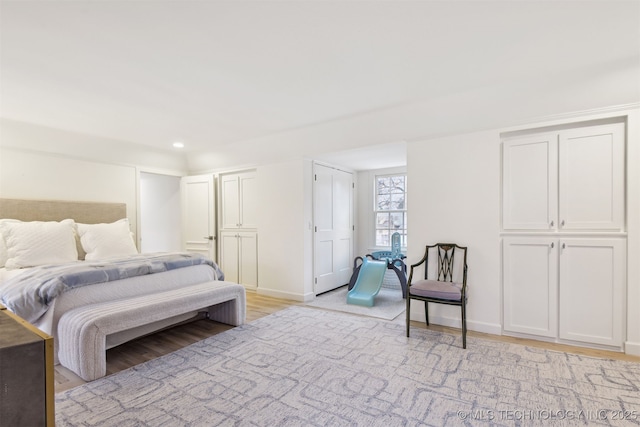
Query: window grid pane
x=390 y=209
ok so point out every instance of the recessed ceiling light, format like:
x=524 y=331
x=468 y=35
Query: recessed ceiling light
x=178 y=145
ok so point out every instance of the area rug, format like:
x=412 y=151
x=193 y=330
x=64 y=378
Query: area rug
x=388 y=304
x=309 y=367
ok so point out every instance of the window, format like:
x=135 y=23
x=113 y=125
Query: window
x=391 y=208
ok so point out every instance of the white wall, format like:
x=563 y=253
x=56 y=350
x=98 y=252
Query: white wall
x=160 y=213
x=283 y=230
x=632 y=345
x=454 y=196
x=37 y=175
x=31 y=137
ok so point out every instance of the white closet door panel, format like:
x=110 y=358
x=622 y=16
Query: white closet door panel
x=342 y=200
x=229 y=202
x=343 y=226
x=324 y=268
x=529 y=183
x=592 y=278
x=248 y=200
x=323 y=222
x=343 y=259
x=592 y=178
x=530 y=285
x=248 y=258
x=323 y=200
x=229 y=256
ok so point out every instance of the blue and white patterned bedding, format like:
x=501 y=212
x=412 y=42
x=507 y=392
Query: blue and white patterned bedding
x=30 y=294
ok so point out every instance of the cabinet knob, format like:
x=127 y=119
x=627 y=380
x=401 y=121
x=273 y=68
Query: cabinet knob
x=552 y=245
x=562 y=223
x=208 y=237
x=551 y=223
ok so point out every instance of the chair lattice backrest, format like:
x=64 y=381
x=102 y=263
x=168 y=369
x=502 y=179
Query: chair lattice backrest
x=445 y=263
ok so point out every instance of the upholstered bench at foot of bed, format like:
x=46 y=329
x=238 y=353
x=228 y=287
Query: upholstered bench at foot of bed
x=82 y=332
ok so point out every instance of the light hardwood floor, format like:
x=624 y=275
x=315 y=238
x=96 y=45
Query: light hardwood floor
x=163 y=342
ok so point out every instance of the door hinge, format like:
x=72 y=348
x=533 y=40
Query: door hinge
x=353 y=185
x=316 y=228
x=316 y=280
x=353 y=228
x=315 y=177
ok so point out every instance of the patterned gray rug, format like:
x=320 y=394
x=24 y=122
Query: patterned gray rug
x=309 y=367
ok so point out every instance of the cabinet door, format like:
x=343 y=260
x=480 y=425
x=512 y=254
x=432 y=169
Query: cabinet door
x=530 y=280
x=530 y=167
x=592 y=178
x=248 y=257
x=229 y=256
x=248 y=200
x=592 y=278
x=229 y=202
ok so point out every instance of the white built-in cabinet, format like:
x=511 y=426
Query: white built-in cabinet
x=564 y=237
x=569 y=288
x=238 y=193
x=566 y=180
x=238 y=227
x=239 y=257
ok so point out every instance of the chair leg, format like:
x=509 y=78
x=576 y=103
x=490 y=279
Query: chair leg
x=408 y=310
x=464 y=325
x=426 y=311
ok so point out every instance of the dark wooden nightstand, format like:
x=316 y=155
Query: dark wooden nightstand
x=26 y=373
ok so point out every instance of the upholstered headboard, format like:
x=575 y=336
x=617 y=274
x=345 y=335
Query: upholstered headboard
x=57 y=210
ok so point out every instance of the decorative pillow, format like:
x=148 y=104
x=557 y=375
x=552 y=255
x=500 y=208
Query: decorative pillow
x=34 y=243
x=106 y=240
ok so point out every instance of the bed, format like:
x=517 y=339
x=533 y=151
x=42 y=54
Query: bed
x=30 y=228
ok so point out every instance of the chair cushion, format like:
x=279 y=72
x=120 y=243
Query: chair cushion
x=435 y=289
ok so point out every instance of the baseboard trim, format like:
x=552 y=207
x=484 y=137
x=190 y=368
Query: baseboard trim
x=472 y=325
x=632 y=348
x=284 y=295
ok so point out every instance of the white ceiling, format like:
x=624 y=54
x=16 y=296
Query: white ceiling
x=214 y=74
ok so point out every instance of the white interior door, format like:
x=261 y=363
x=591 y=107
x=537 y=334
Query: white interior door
x=198 y=215
x=333 y=226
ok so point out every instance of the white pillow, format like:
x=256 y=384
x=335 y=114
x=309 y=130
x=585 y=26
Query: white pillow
x=106 y=240
x=39 y=243
x=3 y=245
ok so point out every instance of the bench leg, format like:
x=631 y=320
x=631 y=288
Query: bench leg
x=232 y=312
